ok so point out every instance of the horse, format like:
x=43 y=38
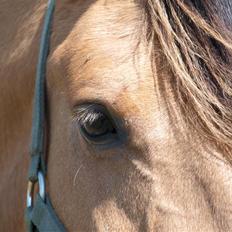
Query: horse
x=138 y=113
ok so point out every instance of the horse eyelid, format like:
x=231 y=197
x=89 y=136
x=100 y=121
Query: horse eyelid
x=80 y=115
x=86 y=114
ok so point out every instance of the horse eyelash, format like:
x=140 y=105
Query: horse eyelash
x=86 y=114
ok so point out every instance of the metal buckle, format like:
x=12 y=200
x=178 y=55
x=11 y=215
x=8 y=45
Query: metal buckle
x=31 y=186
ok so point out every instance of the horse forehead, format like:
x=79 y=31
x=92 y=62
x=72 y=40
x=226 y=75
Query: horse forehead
x=110 y=21
x=111 y=77
x=103 y=55
x=125 y=85
x=106 y=29
x=91 y=19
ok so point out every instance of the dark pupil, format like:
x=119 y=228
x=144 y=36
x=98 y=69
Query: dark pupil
x=99 y=126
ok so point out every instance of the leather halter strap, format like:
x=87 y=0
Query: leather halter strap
x=40 y=215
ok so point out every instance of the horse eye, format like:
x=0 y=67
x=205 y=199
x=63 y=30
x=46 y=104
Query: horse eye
x=96 y=126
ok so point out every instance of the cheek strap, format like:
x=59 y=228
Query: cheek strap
x=42 y=218
x=40 y=215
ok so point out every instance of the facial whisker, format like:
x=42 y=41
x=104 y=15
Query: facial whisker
x=75 y=177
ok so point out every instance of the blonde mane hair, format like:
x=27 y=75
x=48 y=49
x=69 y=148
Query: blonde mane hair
x=196 y=42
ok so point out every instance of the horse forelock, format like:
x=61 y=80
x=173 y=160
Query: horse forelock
x=194 y=37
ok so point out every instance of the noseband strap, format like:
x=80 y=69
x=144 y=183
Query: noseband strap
x=40 y=216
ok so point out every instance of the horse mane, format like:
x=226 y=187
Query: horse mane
x=195 y=39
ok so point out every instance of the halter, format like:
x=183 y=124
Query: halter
x=40 y=215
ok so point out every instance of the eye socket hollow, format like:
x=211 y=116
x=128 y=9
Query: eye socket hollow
x=96 y=125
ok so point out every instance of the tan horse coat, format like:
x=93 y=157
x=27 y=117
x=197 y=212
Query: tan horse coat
x=167 y=176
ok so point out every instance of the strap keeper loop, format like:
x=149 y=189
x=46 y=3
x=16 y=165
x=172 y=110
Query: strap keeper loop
x=34 y=167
